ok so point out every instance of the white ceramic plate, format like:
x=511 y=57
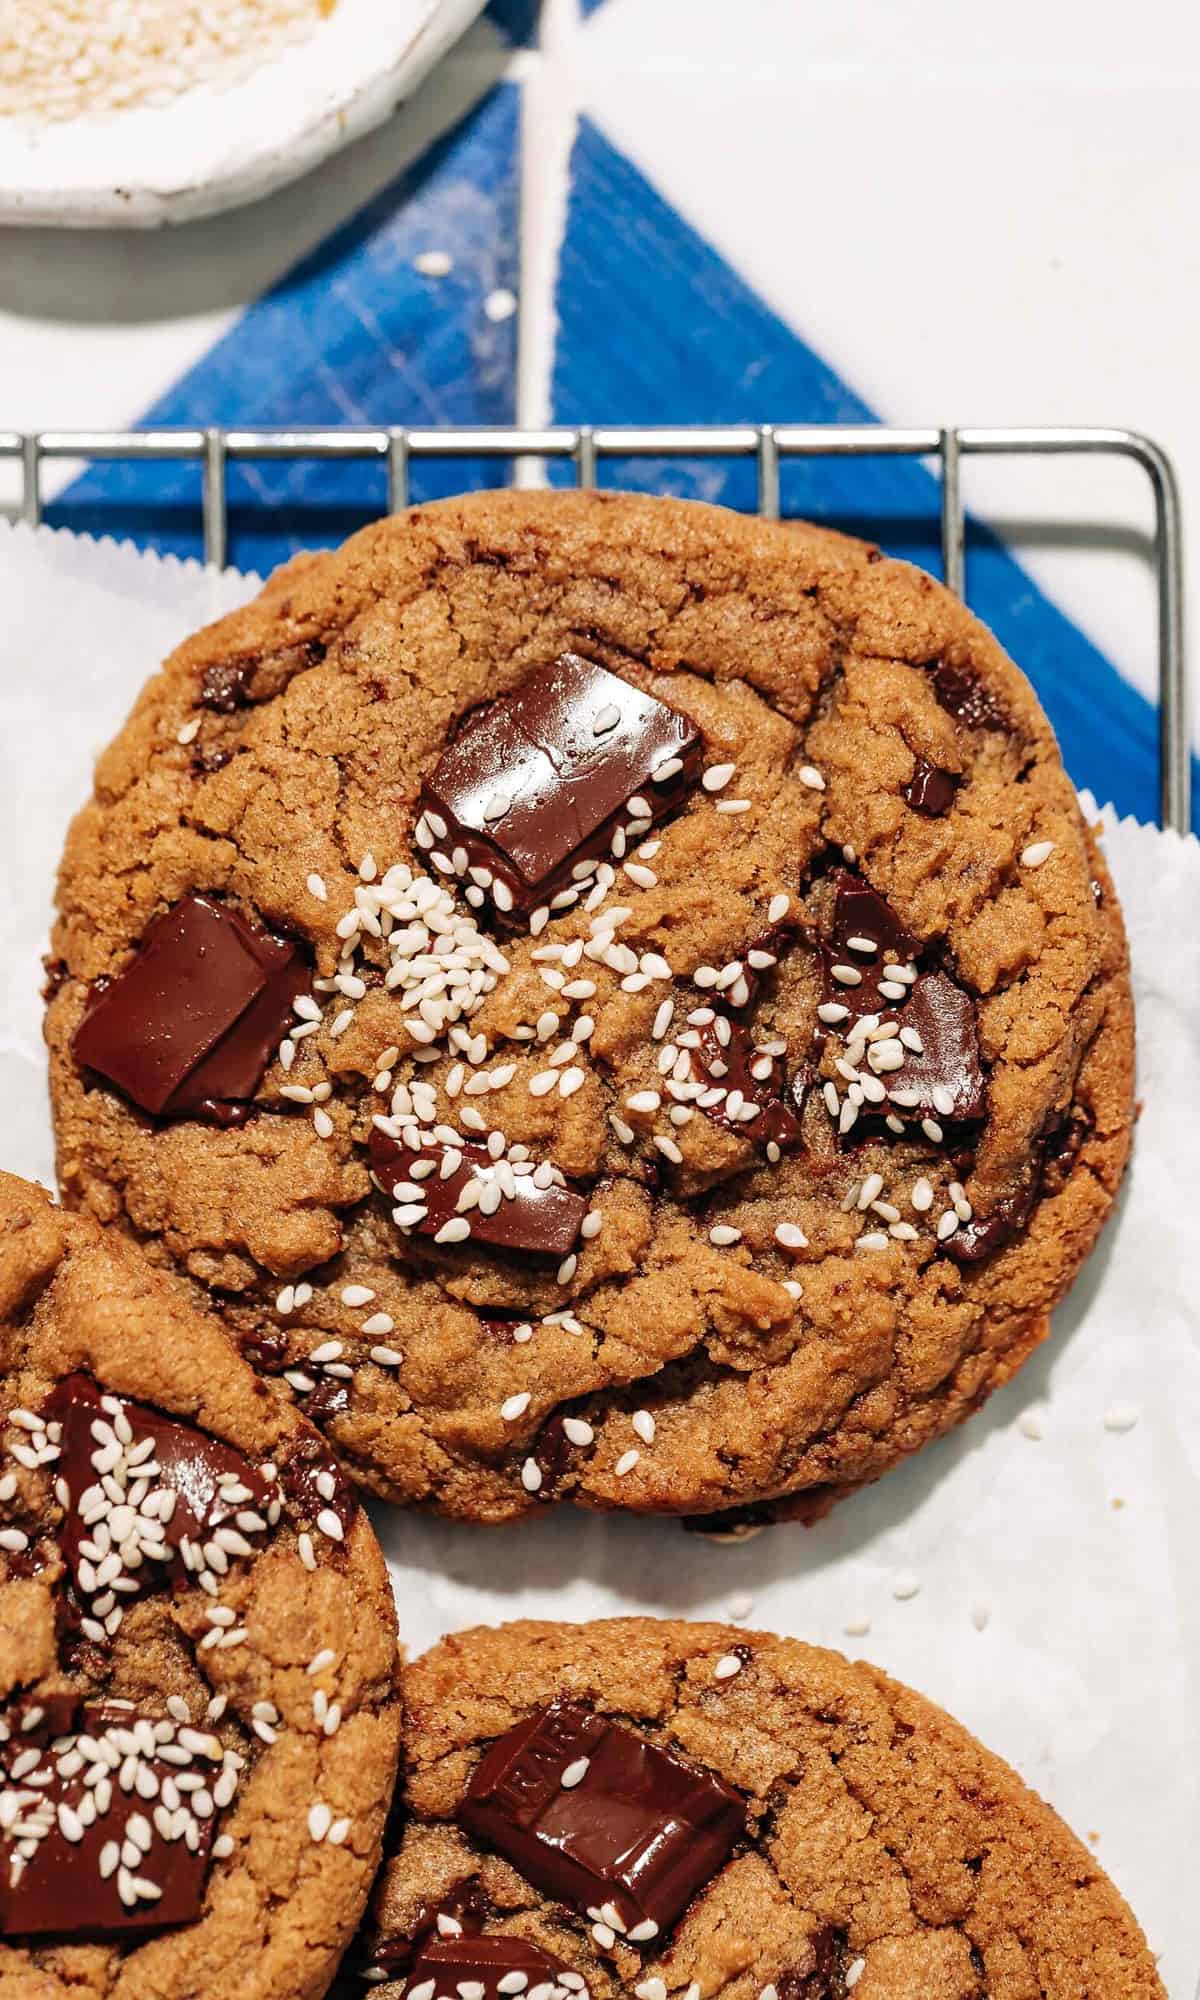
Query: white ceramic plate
x=209 y=150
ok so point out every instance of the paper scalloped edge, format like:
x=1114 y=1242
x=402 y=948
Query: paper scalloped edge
x=126 y=551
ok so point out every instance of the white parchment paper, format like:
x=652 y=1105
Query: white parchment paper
x=1037 y=1573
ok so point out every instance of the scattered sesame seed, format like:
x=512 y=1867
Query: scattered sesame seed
x=1030 y=1426
x=727 y=1667
x=722 y=1234
x=906 y=1587
x=644 y=1425
x=189 y=732
x=515 y=1406
x=790 y=1236
x=1038 y=851
x=577 y=1431
x=531 y=1476
x=626 y=1463
x=734 y=805
x=1122 y=1417
x=810 y=776
x=717 y=777
x=857 y=1628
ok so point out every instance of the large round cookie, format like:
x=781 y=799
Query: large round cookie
x=712 y=966
x=199 y=1710
x=663 y=1809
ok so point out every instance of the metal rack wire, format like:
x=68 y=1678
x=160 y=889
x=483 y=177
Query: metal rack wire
x=765 y=446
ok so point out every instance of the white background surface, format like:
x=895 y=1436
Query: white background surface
x=1087 y=1674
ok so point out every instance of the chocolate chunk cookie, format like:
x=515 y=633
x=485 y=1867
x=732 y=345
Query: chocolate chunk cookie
x=199 y=1715
x=647 y=1807
x=616 y=999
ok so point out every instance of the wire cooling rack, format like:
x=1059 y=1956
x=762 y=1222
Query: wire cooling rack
x=766 y=446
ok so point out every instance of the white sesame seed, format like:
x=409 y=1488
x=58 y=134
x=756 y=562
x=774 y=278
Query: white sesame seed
x=947 y=1223
x=531 y=1475
x=1122 y=1417
x=626 y=1463
x=717 y=777
x=330 y=1526
x=592 y=1224
x=320 y=1819
x=575 y=1773
x=727 y=1667
x=567 y=1269
x=189 y=731
x=810 y=776
x=570 y=1081
x=1030 y=1426
x=515 y=1406
x=847 y=975
x=644 y=1101
x=577 y=1431
x=905 y=1588
x=856 y=1628
x=790 y=1236
x=1038 y=851
x=722 y=1234
x=644 y=1425
x=734 y=805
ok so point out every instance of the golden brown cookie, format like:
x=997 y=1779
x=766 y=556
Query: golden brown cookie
x=651 y=1808
x=199 y=1711
x=666 y=1039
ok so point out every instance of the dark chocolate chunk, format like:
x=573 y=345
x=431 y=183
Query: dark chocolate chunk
x=313 y=1482
x=633 y=1833
x=745 y=1075
x=931 y=790
x=556 y=1453
x=191 y=1023
x=446 y=1967
x=536 y=784
x=465 y=1905
x=199 y=1489
x=825 y=1978
x=946 y=1072
x=1058 y=1145
x=225 y=685
x=942 y=1078
x=81 y=1880
x=540 y=1221
x=964 y=696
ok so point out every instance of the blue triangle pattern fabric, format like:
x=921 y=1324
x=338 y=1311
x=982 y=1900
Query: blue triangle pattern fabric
x=517 y=21
x=354 y=334
x=655 y=327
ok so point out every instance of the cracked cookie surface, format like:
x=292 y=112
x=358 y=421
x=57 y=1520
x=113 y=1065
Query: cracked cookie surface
x=199 y=1708
x=884 y=1852
x=832 y=1183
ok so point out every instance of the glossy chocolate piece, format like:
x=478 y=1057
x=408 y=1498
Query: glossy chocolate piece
x=964 y=696
x=930 y=790
x=539 y=1221
x=71 y=1888
x=531 y=786
x=728 y=1066
x=941 y=1012
x=212 y=1484
x=190 y=1024
x=944 y=1017
x=483 y=1961
x=639 y=1833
